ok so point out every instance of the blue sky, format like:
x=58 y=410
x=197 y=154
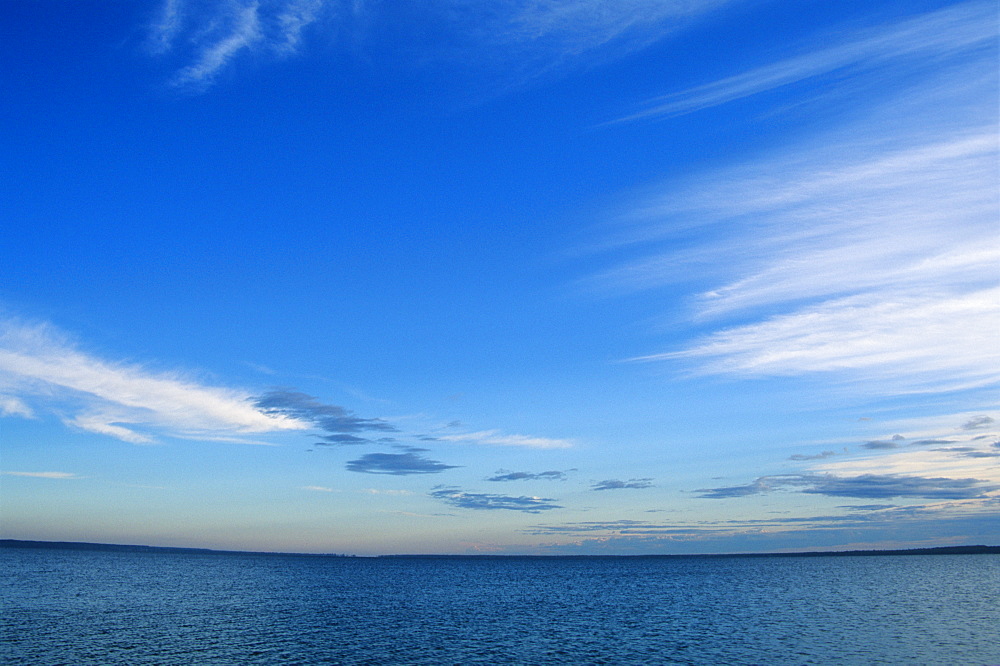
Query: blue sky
x=546 y=277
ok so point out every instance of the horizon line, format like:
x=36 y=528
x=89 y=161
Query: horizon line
x=967 y=549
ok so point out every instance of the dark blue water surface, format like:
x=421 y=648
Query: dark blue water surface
x=87 y=607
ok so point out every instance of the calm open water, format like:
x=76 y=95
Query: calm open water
x=92 y=607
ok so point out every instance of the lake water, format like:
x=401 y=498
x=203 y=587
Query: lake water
x=93 y=607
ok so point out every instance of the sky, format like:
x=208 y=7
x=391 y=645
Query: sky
x=535 y=277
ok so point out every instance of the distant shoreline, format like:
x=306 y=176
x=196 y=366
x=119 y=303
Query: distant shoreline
x=82 y=545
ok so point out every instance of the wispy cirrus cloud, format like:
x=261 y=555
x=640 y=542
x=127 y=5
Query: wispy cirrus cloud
x=942 y=429
x=757 y=539
x=853 y=516
x=527 y=36
x=861 y=527
x=972 y=452
x=292 y=19
x=950 y=32
x=870 y=251
x=875 y=486
x=490 y=501
x=548 y=33
x=934 y=445
x=587 y=23
x=496 y=438
x=42 y=369
x=45 y=475
x=231 y=31
x=208 y=36
x=925 y=342
x=163 y=30
x=11 y=406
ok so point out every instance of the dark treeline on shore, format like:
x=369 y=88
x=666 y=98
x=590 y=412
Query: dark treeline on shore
x=124 y=548
x=75 y=545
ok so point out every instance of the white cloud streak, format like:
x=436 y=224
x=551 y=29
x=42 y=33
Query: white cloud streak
x=11 y=406
x=122 y=400
x=526 y=35
x=165 y=29
x=887 y=260
x=873 y=250
x=937 y=462
x=936 y=35
x=211 y=35
x=44 y=475
x=496 y=438
x=241 y=31
x=580 y=25
x=943 y=342
x=292 y=19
